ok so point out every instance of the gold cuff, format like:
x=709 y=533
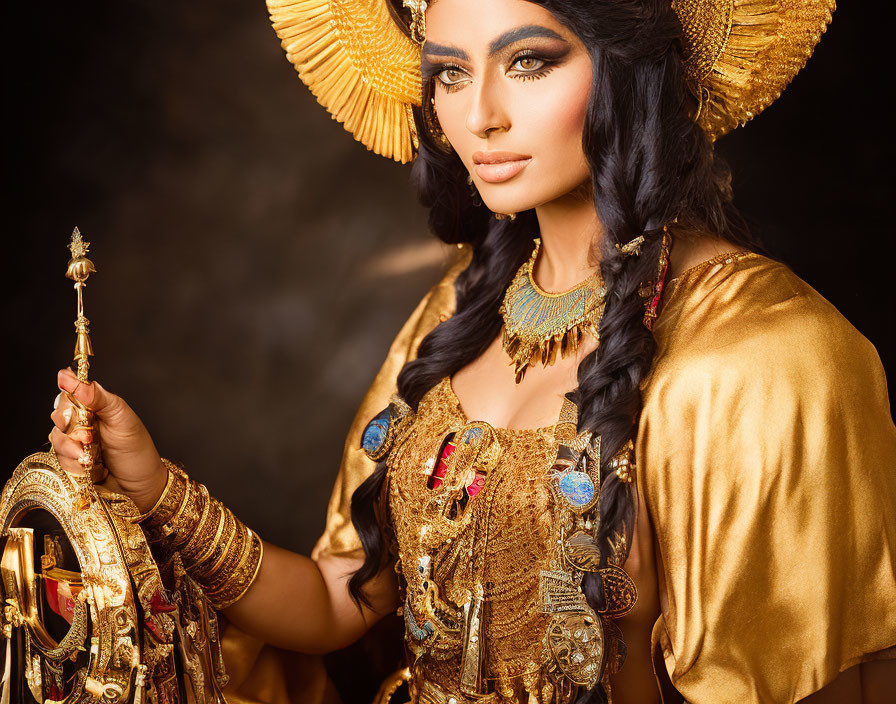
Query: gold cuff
x=217 y=550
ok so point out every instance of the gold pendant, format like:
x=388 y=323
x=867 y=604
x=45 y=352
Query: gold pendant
x=576 y=643
x=539 y=325
x=471 y=664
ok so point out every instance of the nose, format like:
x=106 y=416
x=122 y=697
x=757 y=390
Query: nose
x=487 y=112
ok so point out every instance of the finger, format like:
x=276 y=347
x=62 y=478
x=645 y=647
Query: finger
x=67 y=451
x=62 y=416
x=90 y=393
x=81 y=435
x=62 y=419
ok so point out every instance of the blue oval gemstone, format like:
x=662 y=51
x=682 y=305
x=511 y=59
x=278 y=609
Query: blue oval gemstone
x=577 y=488
x=471 y=435
x=376 y=432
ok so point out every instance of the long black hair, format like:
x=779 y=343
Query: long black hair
x=651 y=164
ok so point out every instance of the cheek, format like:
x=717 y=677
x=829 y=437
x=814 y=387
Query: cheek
x=555 y=118
x=452 y=114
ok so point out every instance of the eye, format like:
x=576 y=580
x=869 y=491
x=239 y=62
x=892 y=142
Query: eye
x=528 y=63
x=450 y=76
x=528 y=67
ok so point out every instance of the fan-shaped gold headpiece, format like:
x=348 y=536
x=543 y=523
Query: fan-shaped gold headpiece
x=362 y=62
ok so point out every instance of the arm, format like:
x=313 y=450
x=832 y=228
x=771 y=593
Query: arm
x=293 y=602
x=299 y=604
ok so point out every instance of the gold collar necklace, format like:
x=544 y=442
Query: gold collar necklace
x=538 y=324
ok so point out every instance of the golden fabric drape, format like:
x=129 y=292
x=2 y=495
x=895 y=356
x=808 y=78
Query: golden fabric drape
x=767 y=457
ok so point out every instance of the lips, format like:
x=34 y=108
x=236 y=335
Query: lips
x=495 y=167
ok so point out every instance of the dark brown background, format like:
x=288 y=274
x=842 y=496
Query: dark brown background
x=255 y=262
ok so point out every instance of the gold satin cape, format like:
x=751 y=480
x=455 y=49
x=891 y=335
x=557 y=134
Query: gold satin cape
x=767 y=460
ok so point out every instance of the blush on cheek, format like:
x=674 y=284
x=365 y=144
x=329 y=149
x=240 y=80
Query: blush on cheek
x=554 y=122
x=568 y=117
x=552 y=111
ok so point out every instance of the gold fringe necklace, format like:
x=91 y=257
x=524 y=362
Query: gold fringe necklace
x=538 y=325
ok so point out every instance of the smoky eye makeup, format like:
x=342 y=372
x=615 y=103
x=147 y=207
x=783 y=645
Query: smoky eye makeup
x=514 y=58
x=429 y=69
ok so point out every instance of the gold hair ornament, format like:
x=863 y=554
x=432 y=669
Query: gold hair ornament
x=739 y=55
x=361 y=60
x=418 y=19
x=623 y=463
x=631 y=248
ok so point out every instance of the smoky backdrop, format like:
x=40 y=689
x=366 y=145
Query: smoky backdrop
x=254 y=261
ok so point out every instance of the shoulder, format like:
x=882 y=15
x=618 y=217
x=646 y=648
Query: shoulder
x=765 y=456
x=749 y=320
x=752 y=362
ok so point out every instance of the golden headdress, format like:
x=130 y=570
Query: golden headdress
x=361 y=59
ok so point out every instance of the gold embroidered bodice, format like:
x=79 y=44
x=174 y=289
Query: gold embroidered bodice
x=497 y=540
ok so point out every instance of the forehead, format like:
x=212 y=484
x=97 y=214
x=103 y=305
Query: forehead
x=478 y=22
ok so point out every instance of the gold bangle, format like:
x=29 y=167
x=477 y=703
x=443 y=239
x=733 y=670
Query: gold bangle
x=205 y=541
x=239 y=584
x=230 y=564
x=219 y=552
x=183 y=523
x=192 y=526
x=239 y=554
x=169 y=479
x=175 y=499
x=214 y=561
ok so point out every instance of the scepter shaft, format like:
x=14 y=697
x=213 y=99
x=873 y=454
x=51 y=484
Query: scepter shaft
x=79 y=269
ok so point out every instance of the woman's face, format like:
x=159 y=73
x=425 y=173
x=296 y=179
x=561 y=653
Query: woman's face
x=511 y=89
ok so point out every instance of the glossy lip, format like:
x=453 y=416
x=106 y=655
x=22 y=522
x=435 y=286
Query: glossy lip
x=495 y=167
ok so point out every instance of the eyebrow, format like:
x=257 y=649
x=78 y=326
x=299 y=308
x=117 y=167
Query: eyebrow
x=514 y=35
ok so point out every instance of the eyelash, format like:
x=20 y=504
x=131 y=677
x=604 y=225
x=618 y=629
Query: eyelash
x=530 y=75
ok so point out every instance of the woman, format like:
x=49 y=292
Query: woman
x=609 y=320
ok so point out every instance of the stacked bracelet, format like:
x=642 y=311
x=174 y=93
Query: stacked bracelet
x=218 y=551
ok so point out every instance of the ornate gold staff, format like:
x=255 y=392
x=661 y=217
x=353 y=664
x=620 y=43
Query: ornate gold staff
x=131 y=637
x=79 y=269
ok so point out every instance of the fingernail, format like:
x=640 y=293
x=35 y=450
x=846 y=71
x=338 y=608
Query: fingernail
x=67 y=415
x=56 y=401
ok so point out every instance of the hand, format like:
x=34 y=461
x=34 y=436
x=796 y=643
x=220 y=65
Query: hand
x=128 y=451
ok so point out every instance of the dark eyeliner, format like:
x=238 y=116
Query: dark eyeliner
x=548 y=65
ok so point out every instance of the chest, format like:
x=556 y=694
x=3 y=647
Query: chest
x=489 y=391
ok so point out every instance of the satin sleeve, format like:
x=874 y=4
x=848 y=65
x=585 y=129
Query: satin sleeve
x=767 y=457
x=339 y=537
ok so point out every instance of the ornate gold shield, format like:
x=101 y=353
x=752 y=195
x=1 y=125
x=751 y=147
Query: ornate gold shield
x=86 y=614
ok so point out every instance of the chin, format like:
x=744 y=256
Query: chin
x=509 y=203
x=519 y=197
